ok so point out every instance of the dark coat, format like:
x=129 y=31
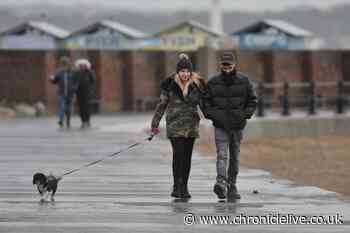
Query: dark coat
x=85 y=80
x=181 y=107
x=229 y=101
x=66 y=87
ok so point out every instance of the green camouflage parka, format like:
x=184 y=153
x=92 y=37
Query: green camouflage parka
x=180 y=102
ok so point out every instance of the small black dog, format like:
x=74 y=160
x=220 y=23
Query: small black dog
x=46 y=185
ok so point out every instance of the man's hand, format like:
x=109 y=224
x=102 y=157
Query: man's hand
x=248 y=114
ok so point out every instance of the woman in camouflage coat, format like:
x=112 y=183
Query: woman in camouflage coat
x=180 y=97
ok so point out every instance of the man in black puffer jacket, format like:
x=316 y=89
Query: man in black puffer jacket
x=229 y=101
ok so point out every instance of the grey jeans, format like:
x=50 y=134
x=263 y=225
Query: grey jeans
x=227 y=142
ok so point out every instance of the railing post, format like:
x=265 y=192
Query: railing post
x=261 y=110
x=340 y=97
x=285 y=100
x=312 y=98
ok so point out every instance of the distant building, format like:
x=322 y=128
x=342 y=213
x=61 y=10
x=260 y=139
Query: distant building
x=273 y=34
x=188 y=35
x=33 y=35
x=104 y=34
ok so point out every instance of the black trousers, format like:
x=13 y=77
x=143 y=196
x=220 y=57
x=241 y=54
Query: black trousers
x=182 y=157
x=83 y=98
x=68 y=110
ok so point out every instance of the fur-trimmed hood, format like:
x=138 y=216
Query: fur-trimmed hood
x=195 y=78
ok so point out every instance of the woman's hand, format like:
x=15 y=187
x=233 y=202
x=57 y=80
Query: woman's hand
x=155 y=131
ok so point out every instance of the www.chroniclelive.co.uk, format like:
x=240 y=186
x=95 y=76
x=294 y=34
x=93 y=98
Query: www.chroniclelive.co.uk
x=270 y=219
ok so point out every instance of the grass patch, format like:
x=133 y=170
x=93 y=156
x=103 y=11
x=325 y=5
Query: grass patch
x=321 y=161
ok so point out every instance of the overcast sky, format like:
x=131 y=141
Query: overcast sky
x=149 y=5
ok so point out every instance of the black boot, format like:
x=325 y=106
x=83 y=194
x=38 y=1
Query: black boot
x=184 y=191
x=220 y=190
x=232 y=193
x=176 y=190
x=184 y=188
x=68 y=123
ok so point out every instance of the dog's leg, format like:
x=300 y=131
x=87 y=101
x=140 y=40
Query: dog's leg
x=54 y=189
x=53 y=197
x=44 y=196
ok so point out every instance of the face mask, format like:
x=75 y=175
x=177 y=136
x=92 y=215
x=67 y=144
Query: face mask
x=229 y=73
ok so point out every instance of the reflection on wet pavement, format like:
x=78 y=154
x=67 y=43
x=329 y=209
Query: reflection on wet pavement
x=131 y=193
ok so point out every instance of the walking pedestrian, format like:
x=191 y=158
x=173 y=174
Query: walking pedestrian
x=85 y=79
x=179 y=99
x=63 y=79
x=229 y=101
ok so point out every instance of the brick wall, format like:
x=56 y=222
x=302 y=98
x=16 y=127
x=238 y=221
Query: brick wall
x=170 y=61
x=207 y=62
x=346 y=65
x=127 y=80
x=251 y=63
x=51 y=97
x=144 y=78
x=22 y=76
x=288 y=67
x=327 y=66
x=110 y=74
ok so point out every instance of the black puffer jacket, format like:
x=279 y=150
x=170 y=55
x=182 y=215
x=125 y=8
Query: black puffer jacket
x=229 y=101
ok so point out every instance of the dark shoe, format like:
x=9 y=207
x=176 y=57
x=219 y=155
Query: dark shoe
x=60 y=123
x=176 y=191
x=219 y=190
x=68 y=124
x=180 y=200
x=232 y=193
x=184 y=191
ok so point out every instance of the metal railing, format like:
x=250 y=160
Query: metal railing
x=309 y=96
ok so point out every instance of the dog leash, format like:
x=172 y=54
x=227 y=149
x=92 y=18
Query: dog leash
x=149 y=138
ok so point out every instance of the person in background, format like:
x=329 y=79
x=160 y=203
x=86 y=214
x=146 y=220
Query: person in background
x=85 y=79
x=180 y=96
x=64 y=80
